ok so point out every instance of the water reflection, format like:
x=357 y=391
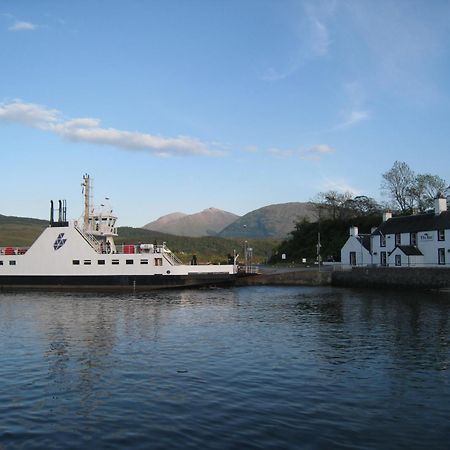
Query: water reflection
x=251 y=367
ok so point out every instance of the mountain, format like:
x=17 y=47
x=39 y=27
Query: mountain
x=160 y=223
x=208 y=222
x=273 y=221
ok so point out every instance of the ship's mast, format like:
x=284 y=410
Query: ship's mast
x=87 y=199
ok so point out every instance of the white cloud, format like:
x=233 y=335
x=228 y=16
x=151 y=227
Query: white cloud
x=281 y=153
x=316 y=152
x=22 y=26
x=90 y=131
x=353 y=117
x=313 y=153
x=320 y=41
x=339 y=185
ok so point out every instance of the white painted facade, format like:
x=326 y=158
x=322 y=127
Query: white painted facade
x=410 y=241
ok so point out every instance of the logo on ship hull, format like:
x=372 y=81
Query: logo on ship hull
x=60 y=241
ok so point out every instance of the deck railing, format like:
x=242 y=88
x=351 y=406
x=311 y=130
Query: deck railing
x=91 y=240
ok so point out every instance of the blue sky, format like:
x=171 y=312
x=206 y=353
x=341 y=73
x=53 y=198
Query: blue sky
x=182 y=105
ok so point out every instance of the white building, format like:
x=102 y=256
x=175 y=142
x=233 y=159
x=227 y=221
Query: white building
x=420 y=240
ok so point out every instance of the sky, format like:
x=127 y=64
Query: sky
x=181 y=105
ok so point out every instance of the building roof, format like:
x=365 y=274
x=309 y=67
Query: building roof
x=408 y=250
x=415 y=223
x=365 y=241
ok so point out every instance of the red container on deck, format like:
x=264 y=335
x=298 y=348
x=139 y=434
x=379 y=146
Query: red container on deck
x=9 y=251
x=128 y=249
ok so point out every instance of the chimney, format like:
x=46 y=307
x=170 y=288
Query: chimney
x=387 y=215
x=354 y=231
x=440 y=204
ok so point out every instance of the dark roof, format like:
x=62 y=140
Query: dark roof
x=409 y=250
x=415 y=223
x=365 y=241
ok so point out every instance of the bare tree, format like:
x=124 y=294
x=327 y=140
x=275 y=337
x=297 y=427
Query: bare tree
x=332 y=204
x=426 y=188
x=398 y=183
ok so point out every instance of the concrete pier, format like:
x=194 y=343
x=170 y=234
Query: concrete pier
x=287 y=277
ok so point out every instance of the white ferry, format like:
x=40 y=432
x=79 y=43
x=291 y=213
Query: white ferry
x=81 y=254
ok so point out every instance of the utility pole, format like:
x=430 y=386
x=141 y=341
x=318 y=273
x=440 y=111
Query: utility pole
x=318 y=249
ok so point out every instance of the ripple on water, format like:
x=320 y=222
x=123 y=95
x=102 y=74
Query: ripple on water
x=247 y=368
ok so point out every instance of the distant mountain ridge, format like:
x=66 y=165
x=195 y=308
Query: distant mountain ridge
x=208 y=222
x=273 y=221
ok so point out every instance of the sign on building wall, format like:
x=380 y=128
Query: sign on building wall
x=426 y=237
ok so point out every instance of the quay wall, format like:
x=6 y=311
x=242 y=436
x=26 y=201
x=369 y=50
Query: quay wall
x=384 y=277
x=292 y=278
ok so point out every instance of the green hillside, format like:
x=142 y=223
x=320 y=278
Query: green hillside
x=22 y=232
x=207 y=248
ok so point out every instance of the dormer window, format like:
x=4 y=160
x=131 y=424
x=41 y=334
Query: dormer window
x=382 y=240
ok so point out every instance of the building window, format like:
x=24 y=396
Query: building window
x=129 y=261
x=1 y=263
x=87 y=262
x=398 y=239
x=382 y=240
x=383 y=260
x=441 y=235
x=398 y=260
x=144 y=261
x=353 y=258
x=158 y=262
x=441 y=256
x=76 y=262
x=115 y=261
x=413 y=239
x=101 y=262
x=12 y=263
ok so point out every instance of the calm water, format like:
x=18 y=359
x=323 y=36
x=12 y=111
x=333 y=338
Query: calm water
x=225 y=369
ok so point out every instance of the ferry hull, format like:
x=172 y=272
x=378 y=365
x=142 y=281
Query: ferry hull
x=114 y=282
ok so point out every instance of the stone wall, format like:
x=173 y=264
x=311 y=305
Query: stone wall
x=292 y=278
x=407 y=277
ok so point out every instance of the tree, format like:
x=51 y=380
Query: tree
x=409 y=191
x=361 y=205
x=332 y=204
x=425 y=190
x=398 y=183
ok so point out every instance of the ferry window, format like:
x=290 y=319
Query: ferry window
x=12 y=263
x=398 y=239
x=76 y=262
x=87 y=262
x=115 y=261
x=129 y=261
x=144 y=261
x=158 y=262
x=101 y=262
x=441 y=235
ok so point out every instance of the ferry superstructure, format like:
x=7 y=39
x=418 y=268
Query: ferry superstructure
x=82 y=254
